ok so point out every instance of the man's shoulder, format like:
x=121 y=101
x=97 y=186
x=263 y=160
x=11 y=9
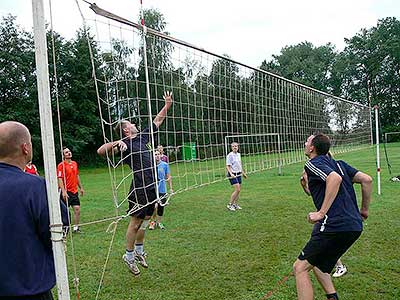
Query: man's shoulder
x=29 y=179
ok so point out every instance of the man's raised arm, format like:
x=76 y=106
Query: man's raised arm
x=163 y=112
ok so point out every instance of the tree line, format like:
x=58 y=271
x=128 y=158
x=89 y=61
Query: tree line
x=367 y=68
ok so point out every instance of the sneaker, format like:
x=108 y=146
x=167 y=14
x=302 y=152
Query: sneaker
x=161 y=226
x=132 y=266
x=152 y=225
x=340 y=271
x=237 y=206
x=78 y=230
x=231 y=207
x=141 y=260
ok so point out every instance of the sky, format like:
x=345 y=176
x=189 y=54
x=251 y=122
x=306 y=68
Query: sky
x=248 y=31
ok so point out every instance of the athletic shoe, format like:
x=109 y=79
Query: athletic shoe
x=161 y=226
x=231 y=207
x=237 y=206
x=131 y=264
x=340 y=271
x=141 y=260
x=152 y=225
x=78 y=230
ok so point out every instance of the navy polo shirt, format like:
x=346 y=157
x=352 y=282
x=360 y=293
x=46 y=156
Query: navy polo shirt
x=344 y=214
x=26 y=257
x=139 y=157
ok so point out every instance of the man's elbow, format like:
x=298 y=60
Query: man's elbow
x=367 y=179
x=100 y=151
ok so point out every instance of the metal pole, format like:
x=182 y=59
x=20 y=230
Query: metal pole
x=378 y=162
x=46 y=126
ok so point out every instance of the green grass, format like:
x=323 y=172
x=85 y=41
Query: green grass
x=207 y=252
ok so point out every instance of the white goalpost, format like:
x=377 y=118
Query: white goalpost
x=389 y=134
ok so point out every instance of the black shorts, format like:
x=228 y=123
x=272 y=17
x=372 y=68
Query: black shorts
x=147 y=198
x=325 y=248
x=73 y=199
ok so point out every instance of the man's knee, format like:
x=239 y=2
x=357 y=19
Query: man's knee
x=301 y=266
x=135 y=223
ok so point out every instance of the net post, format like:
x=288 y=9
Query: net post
x=378 y=163
x=279 y=155
x=46 y=125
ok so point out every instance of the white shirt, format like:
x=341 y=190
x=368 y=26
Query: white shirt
x=233 y=160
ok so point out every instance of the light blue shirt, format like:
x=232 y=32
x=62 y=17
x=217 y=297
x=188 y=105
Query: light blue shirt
x=162 y=172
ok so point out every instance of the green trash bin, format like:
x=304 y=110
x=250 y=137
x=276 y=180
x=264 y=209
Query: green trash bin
x=189 y=151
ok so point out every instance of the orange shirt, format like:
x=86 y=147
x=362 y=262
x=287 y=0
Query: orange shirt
x=31 y=170
x=71 y=175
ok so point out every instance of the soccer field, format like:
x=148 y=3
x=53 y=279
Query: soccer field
x=208 y=252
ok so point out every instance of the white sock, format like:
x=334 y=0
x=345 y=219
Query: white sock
x=129 y=254
x=139 y=249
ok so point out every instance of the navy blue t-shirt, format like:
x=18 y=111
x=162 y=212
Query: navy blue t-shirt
x=139 y=157
x=344 y=214
x=26 y=257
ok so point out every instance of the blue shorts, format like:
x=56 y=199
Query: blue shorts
x=235 y=180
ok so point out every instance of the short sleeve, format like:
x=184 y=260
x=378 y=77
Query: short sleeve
x=349 y=169
x=60 y=171
x=167 y=171
x=318 y=168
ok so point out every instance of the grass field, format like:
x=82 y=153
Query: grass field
x=208 y=252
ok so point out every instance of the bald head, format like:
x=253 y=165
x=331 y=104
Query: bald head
x=15 y=141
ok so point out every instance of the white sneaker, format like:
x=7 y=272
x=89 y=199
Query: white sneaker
x=340 y=271
x=237 y=206
x=231 y=207
x=141 y=260
x=131 y=264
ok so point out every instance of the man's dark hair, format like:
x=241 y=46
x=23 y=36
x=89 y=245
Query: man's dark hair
x=322 y=143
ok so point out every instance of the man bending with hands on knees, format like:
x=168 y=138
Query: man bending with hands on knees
x=338 y=221
x=137 y=153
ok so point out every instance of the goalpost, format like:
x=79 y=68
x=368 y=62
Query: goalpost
x=258 y=151
x=389 y=134
x=392 y=154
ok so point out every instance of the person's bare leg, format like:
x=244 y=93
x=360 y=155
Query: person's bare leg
x=325 y=281
x=131 y=232
x=304 y=286
x=77 y=214
x=235 y=194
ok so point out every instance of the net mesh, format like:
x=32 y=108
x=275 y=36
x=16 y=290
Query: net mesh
x=215 y=99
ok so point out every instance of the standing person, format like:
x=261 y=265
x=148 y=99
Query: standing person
x=164 y=157
x=68 y=182
x=340 y=268
x=136 y=153
x=338 y=221
x=26 y=257
x=235 y=172
x=30 y=168
x=163 y=176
